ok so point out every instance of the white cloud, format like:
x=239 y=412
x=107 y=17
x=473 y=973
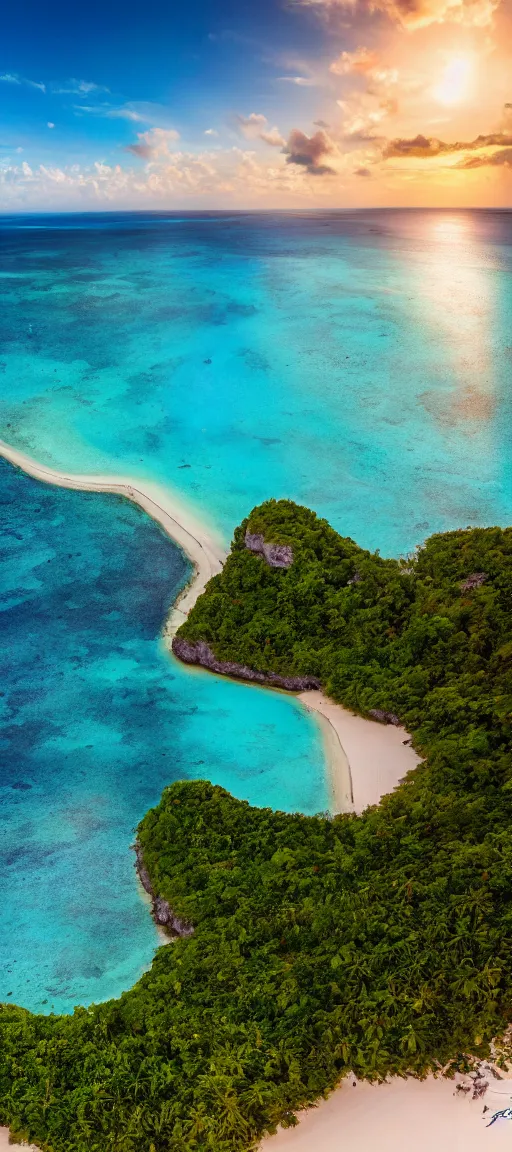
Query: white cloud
x=125 y=112
x=273 y=137
x=233 y=175
x=13 y=78
x=211 y=132
x=251 y=126
x=51 y=124
x=256 y=127
x=300 y=81
x=154 y=143
x=79 y=88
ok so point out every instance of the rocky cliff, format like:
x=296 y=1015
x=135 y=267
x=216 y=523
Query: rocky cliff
x=198 y=652
x=162 y=911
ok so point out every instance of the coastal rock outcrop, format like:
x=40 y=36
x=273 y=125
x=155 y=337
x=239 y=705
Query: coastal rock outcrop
x=199 y=652
x=276 y=555
x=385 y=717
x=162 y=911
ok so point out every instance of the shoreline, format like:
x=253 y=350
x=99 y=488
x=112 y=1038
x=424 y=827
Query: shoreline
x=204 y=553
x=360 y=753
x=401 y=1115
x=367 y=759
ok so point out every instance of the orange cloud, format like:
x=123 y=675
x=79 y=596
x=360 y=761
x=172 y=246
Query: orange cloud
x=413 y=14
x=424 y=147
x=359 y=62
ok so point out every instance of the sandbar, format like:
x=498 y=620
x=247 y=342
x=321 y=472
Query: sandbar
x=204 y=552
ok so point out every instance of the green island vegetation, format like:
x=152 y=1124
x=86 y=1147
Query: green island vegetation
x=378 y=944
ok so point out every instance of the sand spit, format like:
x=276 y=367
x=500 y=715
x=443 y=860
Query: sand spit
x=410 y=1115
x=203 y=551
x=368 y=759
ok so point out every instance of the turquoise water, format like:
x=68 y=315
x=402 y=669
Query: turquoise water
x=96 y=720
x=357 y=362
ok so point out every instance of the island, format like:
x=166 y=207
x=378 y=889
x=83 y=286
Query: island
x=305 y=948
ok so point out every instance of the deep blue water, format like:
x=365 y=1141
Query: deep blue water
x=359 y=363
x=96 y=720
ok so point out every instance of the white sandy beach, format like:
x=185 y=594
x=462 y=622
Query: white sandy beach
x=6 y=1147
x=369 y=758
x=401 y=1116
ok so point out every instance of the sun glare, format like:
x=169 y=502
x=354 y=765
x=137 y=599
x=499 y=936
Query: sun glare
x=455 y=81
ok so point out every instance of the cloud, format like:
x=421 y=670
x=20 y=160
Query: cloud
x=420 y=13
x=309 y=151
x=273 y=137
x=13 y=78
x=501 y=159
x=255 y=127
x=153 y=144
x=424 y=147
x=413 y=14
x=321 y=124
x=359 y=62
x=125 y=112
x=75 y=87
x=251 y=126
x=234 y=176
x=211 y=132
x=364 y=172
x=300 y=81
x=362 y=117
x=50 y=124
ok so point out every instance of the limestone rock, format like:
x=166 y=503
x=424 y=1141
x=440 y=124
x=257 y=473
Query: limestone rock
x=385 y=717
x=198 y=652
x=276 y=555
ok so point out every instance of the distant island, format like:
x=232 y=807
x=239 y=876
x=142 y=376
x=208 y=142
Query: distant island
x=308 y=947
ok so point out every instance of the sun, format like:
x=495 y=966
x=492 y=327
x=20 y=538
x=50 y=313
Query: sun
x=455 y=84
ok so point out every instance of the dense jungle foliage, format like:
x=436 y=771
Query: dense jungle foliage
x=378 y=943
x=403 y=636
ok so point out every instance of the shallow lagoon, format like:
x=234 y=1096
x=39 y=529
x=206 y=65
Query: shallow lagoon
x=96 y=720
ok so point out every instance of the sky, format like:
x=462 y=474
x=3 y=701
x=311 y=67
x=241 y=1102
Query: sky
x=255 y=104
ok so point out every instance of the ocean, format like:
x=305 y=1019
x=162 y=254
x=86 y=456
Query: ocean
x=358 y=363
